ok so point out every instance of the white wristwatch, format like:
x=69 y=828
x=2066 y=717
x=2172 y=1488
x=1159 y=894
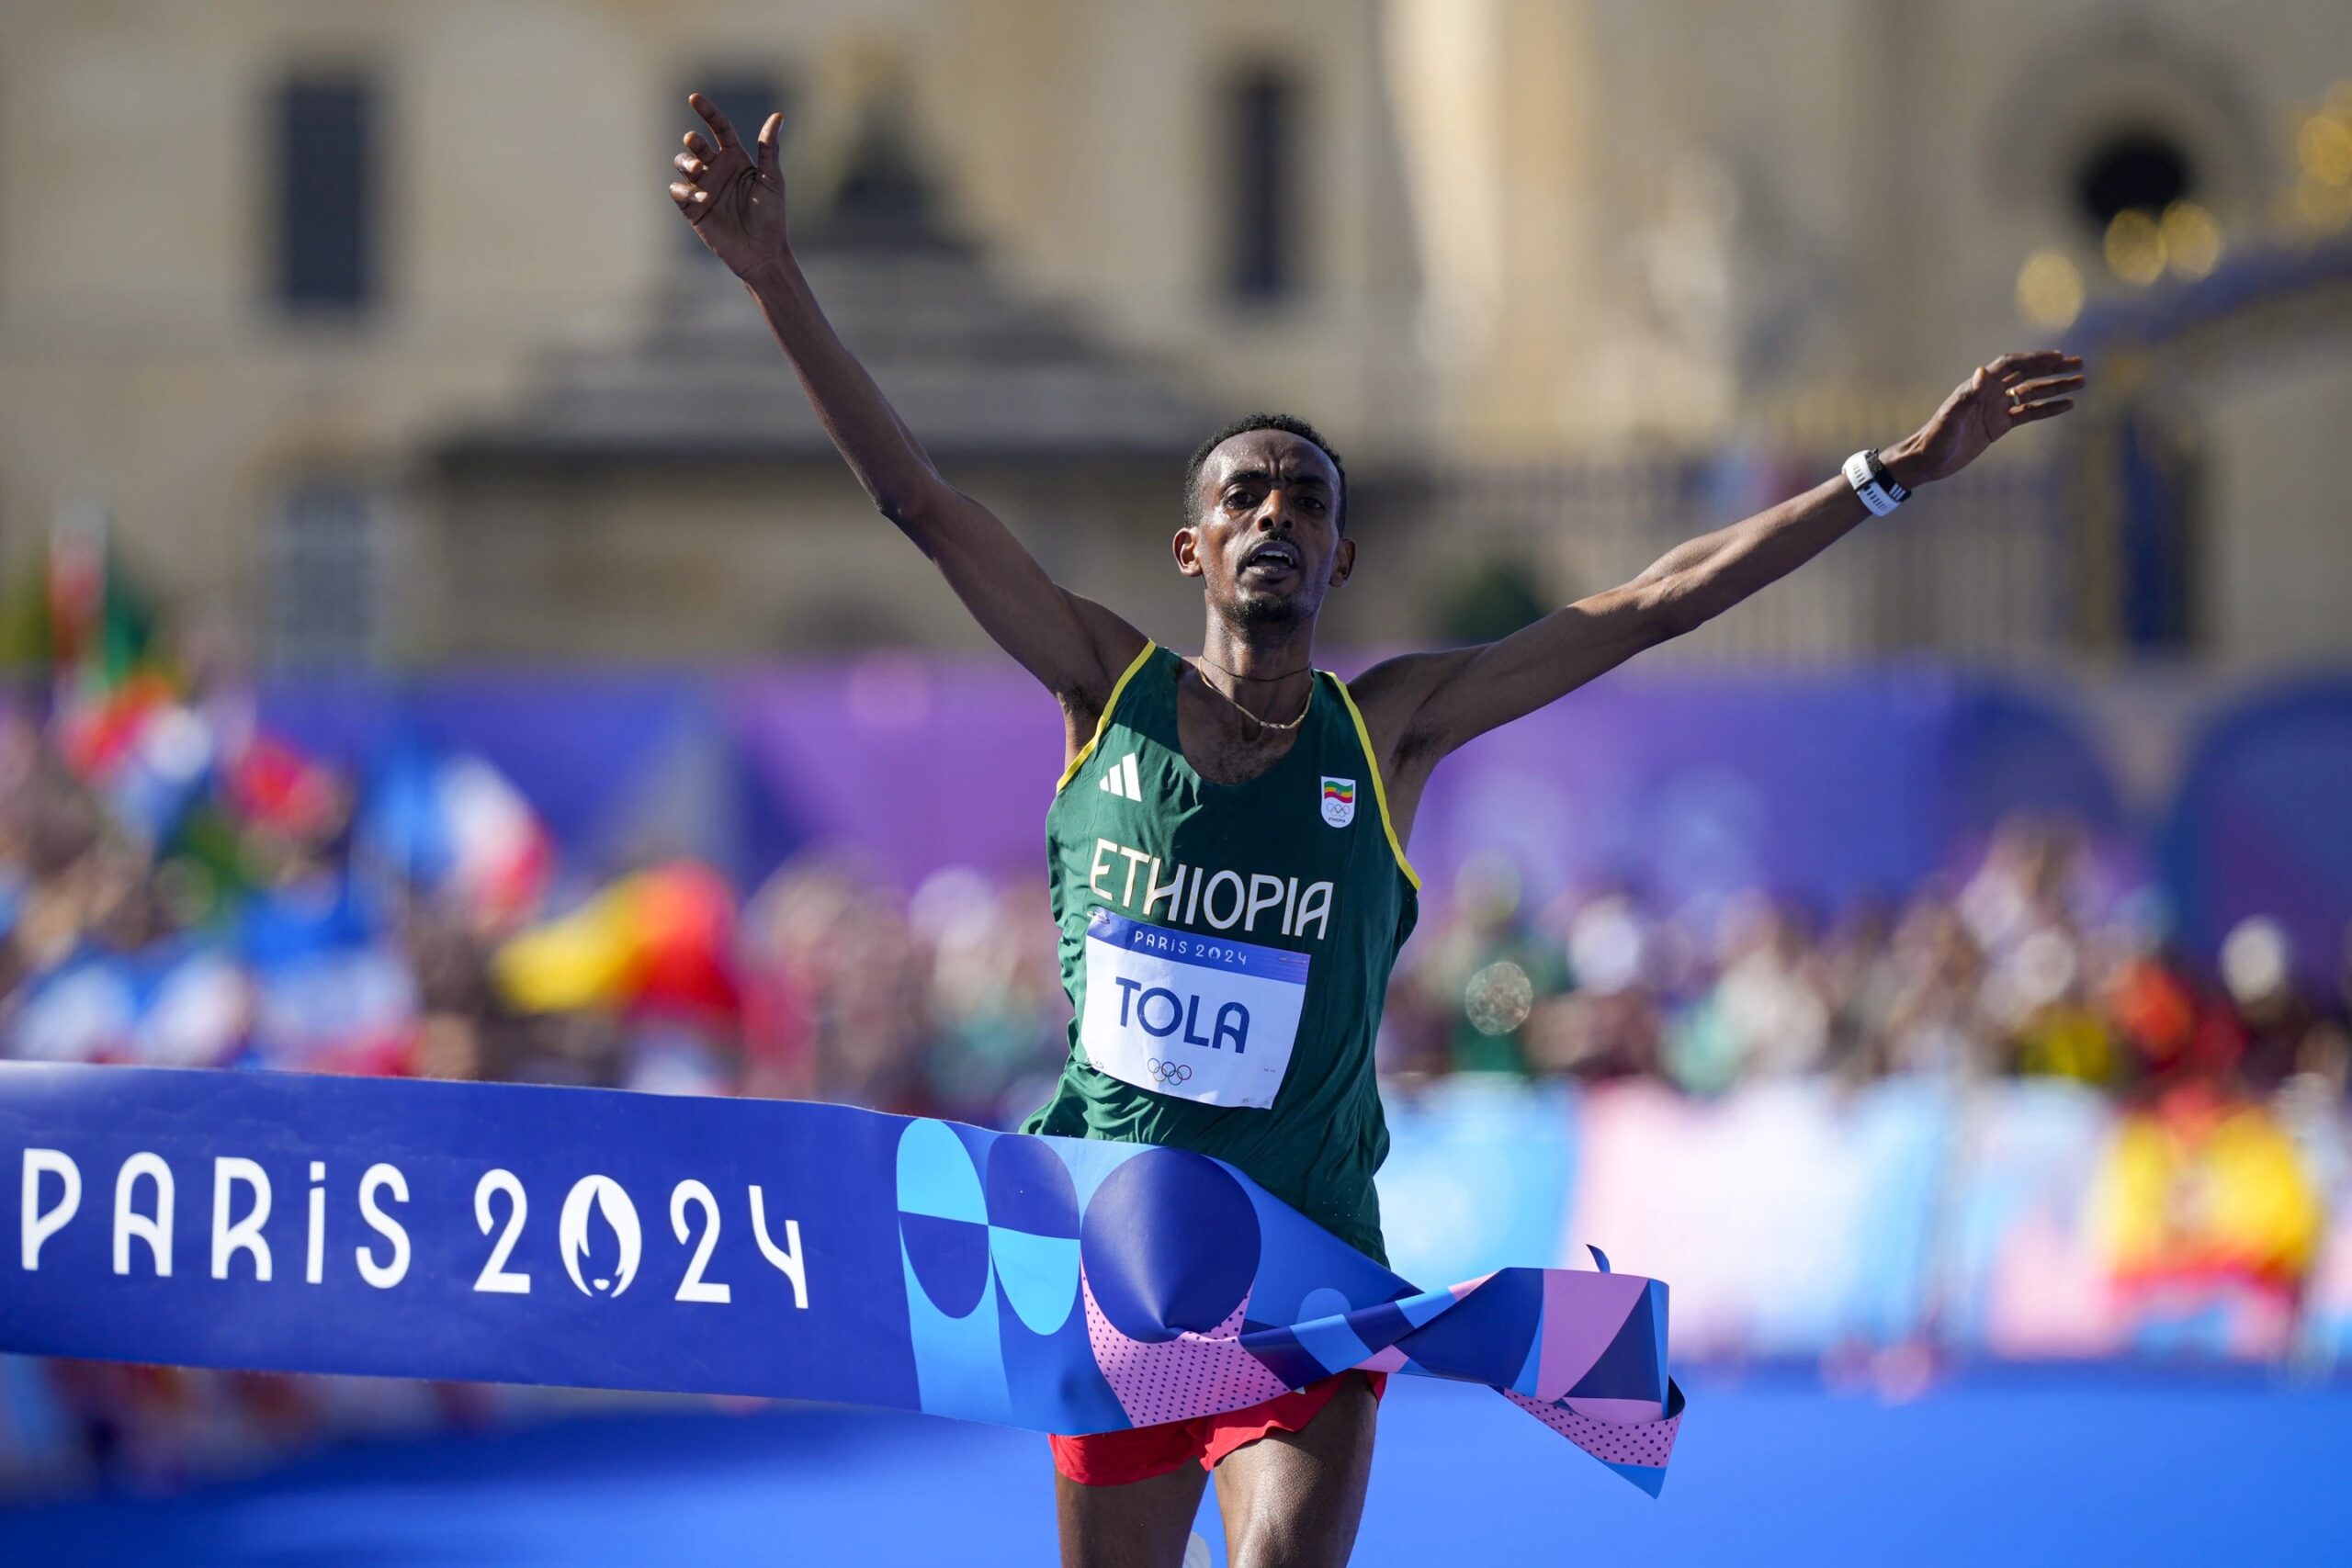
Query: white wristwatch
x=1873 y=483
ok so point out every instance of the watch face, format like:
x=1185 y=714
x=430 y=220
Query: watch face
x=1871 y=483
x=1882 y=476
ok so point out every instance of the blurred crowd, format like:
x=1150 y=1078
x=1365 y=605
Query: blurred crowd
x=176 y=888
x=2039 y=961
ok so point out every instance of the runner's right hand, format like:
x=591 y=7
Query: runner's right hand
x=736 y=204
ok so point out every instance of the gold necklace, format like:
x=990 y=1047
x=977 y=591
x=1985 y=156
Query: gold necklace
x=1304 y=708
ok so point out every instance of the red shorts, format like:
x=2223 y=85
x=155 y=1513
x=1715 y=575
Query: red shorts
x=1113 y=1458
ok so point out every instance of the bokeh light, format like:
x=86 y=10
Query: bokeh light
x=2135 y=247
x=2190 y=238
x=2324 y=148
x=2050 y=289
x=1499 y=997
x=2323 y=206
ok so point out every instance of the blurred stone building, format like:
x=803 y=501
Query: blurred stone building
x=375 y=331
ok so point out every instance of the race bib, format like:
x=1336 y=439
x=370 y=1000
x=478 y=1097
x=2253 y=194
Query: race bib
x=1197 y=1017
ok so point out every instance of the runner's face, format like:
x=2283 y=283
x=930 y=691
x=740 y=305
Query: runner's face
x=1265 y=538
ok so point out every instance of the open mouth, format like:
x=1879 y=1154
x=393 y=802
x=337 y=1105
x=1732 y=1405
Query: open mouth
x=1273 y=555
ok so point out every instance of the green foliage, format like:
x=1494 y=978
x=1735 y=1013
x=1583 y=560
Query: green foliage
x=1494 y=598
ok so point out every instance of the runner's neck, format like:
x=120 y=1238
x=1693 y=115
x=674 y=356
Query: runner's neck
x=1268 y=678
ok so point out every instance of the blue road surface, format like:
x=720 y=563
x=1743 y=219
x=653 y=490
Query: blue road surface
x=2072 y=1467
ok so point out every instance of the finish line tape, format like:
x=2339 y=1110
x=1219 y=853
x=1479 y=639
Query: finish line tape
x=595 y=1238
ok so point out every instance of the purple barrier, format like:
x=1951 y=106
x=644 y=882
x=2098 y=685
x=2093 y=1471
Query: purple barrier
x=2263 y=824
x=915 y=763
x=1823 y=787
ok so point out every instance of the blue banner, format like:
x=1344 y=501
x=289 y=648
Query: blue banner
x=596 y=1238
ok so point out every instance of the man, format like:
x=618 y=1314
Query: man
x=1228 y=838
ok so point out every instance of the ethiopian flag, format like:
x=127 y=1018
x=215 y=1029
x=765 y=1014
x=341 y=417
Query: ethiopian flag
x=1338 y=801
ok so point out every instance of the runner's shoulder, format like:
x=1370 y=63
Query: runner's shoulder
x=1394 y=697
x=1114 y=650
x=1113 y=647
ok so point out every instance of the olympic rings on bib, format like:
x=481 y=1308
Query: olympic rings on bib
x=1169 y=1072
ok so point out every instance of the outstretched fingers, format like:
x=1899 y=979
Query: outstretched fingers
x=732 y=193
x=713 y=116
x=702 y=169
x=2044 y=397
x=2032 y=386
x=2011 y=368
x=770 y=137
x=2046 y=387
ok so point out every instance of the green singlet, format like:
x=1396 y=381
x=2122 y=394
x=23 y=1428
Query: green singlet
x=1228 y=948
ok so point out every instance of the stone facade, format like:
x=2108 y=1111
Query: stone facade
x=1548 y=230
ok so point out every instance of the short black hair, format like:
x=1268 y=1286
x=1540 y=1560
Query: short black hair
x=1289 y=424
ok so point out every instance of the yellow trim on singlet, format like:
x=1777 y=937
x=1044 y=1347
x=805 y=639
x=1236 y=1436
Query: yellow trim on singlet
x=1379 y=790
x=1109 y=704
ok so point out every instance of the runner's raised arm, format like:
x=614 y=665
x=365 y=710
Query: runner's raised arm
x=1420 y=707
x=735 y=200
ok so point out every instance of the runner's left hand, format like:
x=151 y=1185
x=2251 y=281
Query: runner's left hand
x=2015 y=389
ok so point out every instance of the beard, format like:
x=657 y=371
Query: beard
x=1252 y=611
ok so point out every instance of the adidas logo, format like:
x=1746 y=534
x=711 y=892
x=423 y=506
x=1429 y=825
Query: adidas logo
x=1119 y=779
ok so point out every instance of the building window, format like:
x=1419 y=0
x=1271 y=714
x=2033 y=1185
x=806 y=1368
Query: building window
x=326 y=577
x=746 y=99
x=327 y=193
x=2134 y=169
x=1262 y=190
